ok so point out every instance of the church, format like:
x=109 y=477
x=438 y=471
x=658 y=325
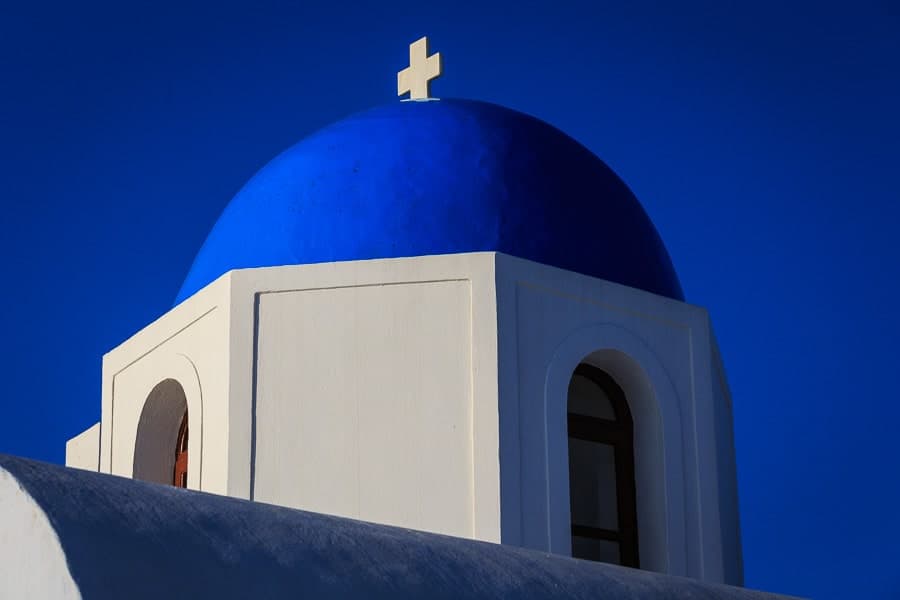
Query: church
x=436 y=349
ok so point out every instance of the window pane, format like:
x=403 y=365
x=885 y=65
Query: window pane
x=592 y=484
x=599 y=550
x=589 y=399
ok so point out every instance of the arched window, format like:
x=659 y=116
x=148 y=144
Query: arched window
x=160 y=448
x=601 y=469
x=179 y=478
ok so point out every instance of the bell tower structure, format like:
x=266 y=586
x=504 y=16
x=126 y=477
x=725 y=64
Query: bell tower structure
x=447 y=316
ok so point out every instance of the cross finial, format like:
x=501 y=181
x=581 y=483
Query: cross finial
x=421 y=70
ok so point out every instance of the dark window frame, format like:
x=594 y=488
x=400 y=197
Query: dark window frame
x=620 y=435
x=179 y=471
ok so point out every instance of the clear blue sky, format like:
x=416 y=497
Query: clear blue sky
x=763 y=139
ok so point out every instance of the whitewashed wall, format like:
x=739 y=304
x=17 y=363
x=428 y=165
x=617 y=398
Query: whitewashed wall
x=375 y=383
x=83 y=450
x=660 y=352
x=375 y=394
x=365 y=389
x=430 y=392
x=190 y=345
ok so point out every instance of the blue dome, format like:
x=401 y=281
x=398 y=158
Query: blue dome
x=420 y=178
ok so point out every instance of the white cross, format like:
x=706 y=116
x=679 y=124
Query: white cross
x=421 y=70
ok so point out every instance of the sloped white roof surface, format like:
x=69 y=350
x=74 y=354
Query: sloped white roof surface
x=127 y=539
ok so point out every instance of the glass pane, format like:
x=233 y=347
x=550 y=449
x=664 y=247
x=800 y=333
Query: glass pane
x=599 y=550
x=592 y=484
x=589 y=399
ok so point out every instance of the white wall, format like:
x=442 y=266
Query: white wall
x=83 y=450
x=375 y=390
x=361 y=388
x=659 y=351
x=430 y=392
x=190 y=345
x=375 y=383
x=723 y=460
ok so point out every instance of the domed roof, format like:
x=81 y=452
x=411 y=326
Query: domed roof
x=439 y=177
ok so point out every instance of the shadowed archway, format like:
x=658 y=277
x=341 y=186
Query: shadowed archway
x=163 y=424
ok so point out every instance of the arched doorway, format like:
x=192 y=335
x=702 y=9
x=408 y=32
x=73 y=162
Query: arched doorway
x=601 y=469
x=160 y=451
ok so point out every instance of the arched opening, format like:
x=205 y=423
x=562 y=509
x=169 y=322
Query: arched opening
x=162 y=436
x=602 y=494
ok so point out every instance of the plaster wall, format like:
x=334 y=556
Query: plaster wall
x=375 y=383
x=83 y=450
x=390 y=362
x=661 y=352
x=374 y=391
x=189 y=345
x=722 y=463
x=430 y=392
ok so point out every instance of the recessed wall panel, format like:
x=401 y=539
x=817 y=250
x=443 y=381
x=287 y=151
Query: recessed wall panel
x=363 y=403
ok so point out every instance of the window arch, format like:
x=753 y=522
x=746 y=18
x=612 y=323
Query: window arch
x=601 y=469
x=161 y=431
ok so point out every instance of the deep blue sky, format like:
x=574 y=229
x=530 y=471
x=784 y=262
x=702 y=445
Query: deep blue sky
x=764 y=142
